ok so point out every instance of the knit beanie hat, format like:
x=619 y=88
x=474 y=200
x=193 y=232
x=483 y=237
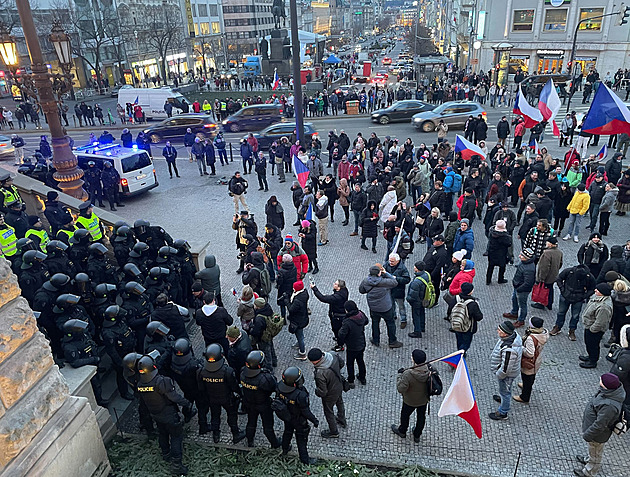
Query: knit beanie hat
x=536 y=322
x=298 y=286
x=374 y=270
x=315 y=354
x=259 y=302
x=350 y=307
x=507 y=327
x=459 y=255
x=467 y=288
x=527 y=253
x=418 y=356
x=610 y=381
x=287 y=258
x=604 y=289
x=288 y=238
x=233 y=332
x=305 y=223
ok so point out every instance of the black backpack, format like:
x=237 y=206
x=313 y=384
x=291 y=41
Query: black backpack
x=434 y=383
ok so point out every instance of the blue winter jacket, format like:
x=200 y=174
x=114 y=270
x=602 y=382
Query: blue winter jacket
x=464 y=241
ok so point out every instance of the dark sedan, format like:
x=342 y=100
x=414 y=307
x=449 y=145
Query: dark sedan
x=174 y=128
x=276 y=131
x=400 y=111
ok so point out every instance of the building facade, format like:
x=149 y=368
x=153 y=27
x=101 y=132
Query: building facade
x=246 y=22
x=205 y=31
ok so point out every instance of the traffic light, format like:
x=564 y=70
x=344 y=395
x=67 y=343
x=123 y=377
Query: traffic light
x=624 y=14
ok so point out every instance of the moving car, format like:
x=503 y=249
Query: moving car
x=135 y=167
x=380 y=78
x=175 y=128
x=454 y=113
x=6 y=149
x=400 y=111
x=387 y=61
x=253 y=118
x=276 y=131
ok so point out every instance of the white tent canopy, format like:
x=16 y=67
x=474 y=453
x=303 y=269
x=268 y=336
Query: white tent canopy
x=305 y=37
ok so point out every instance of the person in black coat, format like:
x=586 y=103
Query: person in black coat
x=530 y=217
x=469 y=205
x=274 y=212
x=481 y=129
x=615 y=263
x=171 y=315
x=352 y=336
x=436 y=259
x=358 y=201
x=329 y=187
x=433 y=225
x=544 y=204
x=240 y=347
x=56 y=214
x=213 y=321
x=464 y=340
x=287 y=276
x=308 y=233
x=336 y=311
x=499 y=242
x=297 y=196
x=273 y=243
x=369 y=224
x=593 y=253
x=491 y=210
x=560 y=212
x=297 y=306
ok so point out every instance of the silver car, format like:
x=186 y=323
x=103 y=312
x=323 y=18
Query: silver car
x=6 y=149
x=454 y=113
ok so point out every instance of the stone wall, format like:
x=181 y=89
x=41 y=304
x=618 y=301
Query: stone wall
x=34 y=400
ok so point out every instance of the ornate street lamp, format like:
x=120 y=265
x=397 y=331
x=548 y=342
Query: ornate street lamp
x=8 y=49
x=61 y=42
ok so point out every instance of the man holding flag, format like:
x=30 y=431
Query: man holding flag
x=412 y=384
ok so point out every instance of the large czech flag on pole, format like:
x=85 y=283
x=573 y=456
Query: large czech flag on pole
x=607 y=114
x=531 y=115
x=549 y=104
x=467 y=148
x=276 y=80
x=460 y=398
x=300 y=170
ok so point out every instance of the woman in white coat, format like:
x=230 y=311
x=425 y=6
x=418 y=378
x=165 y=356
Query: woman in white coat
x=388 y=202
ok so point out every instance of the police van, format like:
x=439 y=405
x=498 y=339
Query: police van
x=151 y=100
x=135 y=167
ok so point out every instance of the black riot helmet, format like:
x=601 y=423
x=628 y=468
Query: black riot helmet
x=164 y=253
x=25 y=244
x=130 y=360
x=97 y=249
x=140 y=226
x=147 y=369
x=75 y=327
x=80 y=237
x=181 y=347
x=122 y=233
x=134 y=288
x=31 y=257
x=55 y=247
x=181 y=244
x=119 y=224
x=291 y=379
x=82 y=281
x=113 y=314
x=138 y=250
x=57 y=282
x=214 y=357
x=156 y=272
x=65 y=302
x=157 y=327
x=253 y=363
x=103 y=290
x=132 y=270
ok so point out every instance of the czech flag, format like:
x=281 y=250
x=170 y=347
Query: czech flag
x=460 y=398
x=607 y=114
x=533 y=144
x=549 y=102
x=300 y=170
x=531 y=115
x=309 y=212
x=467 y=148
x=603 y=152
x=276 y=80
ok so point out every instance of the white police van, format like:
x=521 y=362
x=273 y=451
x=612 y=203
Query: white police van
x=135 y=167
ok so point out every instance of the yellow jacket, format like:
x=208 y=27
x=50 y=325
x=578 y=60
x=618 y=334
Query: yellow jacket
x=580 y=203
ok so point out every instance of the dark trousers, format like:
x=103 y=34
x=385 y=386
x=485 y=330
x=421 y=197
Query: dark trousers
x=591 y=341
x=144 y=416
x=328 y=406
x=225 y=344
x=266 y=416
x=517 y=142
x=388 y=317
x=405 y=414
x=171 y=164
x=346 y=212
x=222 y=156
x=356 y=214
x=418 y=317
x=215 y=416
x=490 y=271
x=604 y=222
x=558 y=223
x=464 y=340
x=528 y=384
x=363 y=239
x=301 y=438
x=335 y=324
x=113 y=196
x=96 y=195
x=351 y=357
x=262 y=181
x=171 y=438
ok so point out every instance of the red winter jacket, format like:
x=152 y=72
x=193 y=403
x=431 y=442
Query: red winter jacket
x=462 y=276
x=299 y=259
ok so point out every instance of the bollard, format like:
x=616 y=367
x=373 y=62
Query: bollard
x=74 y=120
x=231 y=156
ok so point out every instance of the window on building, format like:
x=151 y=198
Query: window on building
x=193 y=9
x=204 y=28
x=202 y=8
x=196 y=29
x=586 y=14
x=523 y=20
x=555 y=19
x=216 y=27
x=214 y=10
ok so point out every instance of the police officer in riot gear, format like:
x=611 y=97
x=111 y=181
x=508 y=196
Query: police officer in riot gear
x=163 y=401
x=130 y=373
x=156 y=283
x=123 y=244
x=44 y=302
x=139 y=309
x=154 y=236
x=257 y=385
x=182 y=367
x=79 y=350
x=187 y=267
x=99 y=267
x=218 y=385
x=158 y=338
x=33 y=273
x=166 y=259
x=139 y=256
x=79 y=252
x=292 y=392
x=23 y=246
x=104 y=297
x=67 y=308
x=131 y=273
x=119 y=340
x=58 y=260
x=82 y=286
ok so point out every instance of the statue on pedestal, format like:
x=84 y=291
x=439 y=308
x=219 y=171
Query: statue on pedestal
x=278 y=11
x=264 y=49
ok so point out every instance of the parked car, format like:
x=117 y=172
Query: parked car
x=276 y=131
x=253 y=118
x=6 y=149
x=175 y=128
x=400 y=111
x=454 y=113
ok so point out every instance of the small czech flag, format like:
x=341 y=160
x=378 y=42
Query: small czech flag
x=276 y=80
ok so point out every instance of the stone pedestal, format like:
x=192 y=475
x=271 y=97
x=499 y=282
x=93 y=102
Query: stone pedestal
x=43 y=431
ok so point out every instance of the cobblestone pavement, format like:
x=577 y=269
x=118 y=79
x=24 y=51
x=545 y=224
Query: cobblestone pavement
x=546 y=433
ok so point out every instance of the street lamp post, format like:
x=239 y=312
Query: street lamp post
x=65 y=162
x=61 y=41
x=297 y=77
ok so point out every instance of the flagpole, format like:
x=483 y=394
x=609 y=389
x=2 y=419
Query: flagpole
x=460 y=351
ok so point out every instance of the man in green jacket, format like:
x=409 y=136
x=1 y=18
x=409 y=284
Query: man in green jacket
x=412 y=384
x=596 y=318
